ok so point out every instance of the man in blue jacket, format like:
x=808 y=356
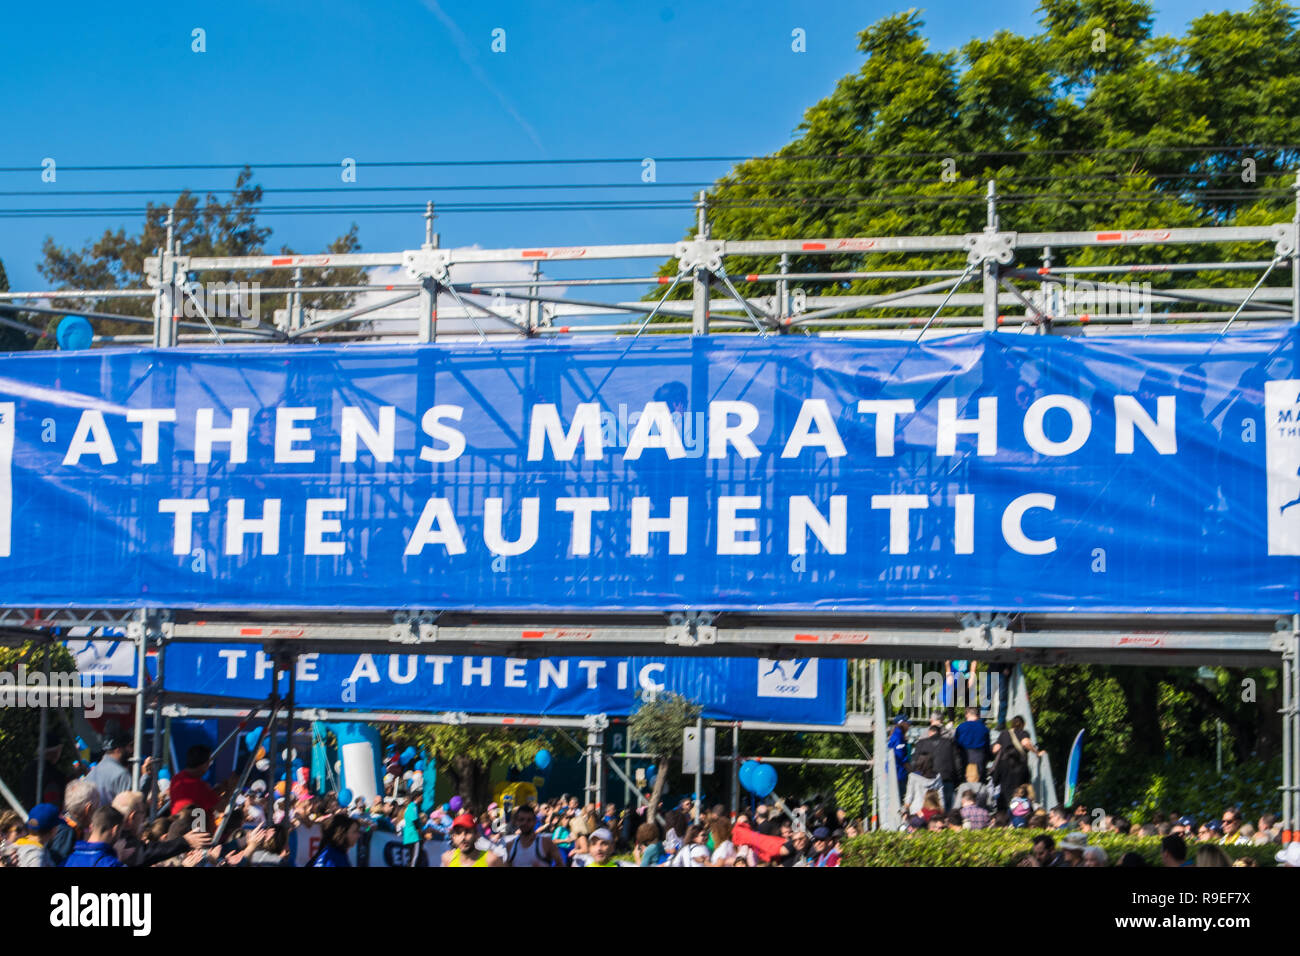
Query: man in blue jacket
x=98 y=850
x=972 y=737
x=898 y=744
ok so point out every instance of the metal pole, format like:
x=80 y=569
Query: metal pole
x=700 y=282
x=699 y=764
x=13 y=801
x=990 y=265
x=142 y=646
x=43 y=738
x=288 y=758
x=735 y=769
x=158 y=689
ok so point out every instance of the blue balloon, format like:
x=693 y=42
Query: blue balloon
x=252 y=737
x=543 y=759
x=409 y=754
x=419 y=765
x=345 y=798
x=746 y=774
x=651 y=772
x=164 y=774
x=74 y=333
x=764 y=780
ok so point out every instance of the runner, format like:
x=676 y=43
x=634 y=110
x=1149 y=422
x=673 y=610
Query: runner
x=530 y=848
x=600 y=845
x=464 y=837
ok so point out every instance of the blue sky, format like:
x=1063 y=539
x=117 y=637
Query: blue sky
x=383 y=80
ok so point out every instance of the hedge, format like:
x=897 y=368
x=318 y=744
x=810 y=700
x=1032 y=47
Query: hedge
x=1004 y=847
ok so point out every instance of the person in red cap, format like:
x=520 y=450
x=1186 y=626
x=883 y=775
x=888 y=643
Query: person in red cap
x=464 y=837
x=188 y=787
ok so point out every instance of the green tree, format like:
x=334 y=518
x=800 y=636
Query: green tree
x=658 y=724
x=467 y=754
x=209 y=227
x=20 y=726
x=1084 y=125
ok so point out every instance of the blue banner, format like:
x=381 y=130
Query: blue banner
x=806 y=691
x=979 y=472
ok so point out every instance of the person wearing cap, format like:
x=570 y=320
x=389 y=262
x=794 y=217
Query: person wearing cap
x=110 y=776
x=898 y=744
x=1072 y=847
x=600 y=845
x=40 y=827
x=189 y=788
x=464 y=837
x=825 y=853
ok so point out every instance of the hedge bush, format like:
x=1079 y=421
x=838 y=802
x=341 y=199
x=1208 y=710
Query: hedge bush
x=1004 y=847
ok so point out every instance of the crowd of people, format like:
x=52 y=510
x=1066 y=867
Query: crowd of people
x=962 y=778
x=945 y=781
x=98 y=820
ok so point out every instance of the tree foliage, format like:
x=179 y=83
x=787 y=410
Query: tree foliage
x=467 y=754
x=207 y=227
x=1093 y=122
x=657 y=725
x=20 y=726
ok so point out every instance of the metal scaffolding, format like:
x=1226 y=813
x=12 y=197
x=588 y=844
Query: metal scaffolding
x=993 y=280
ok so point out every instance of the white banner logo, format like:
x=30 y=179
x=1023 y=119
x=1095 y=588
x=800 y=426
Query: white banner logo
x=1282 y=449
x=787 y=678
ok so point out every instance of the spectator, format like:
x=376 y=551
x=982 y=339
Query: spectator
x=933 y=805
x=12 y=830
x=974 y=786
x=339 y=835
x=1057 y=819
x=31 y=847
x=922 y=776
x=80 y=801
x=1020 y=806
x=1148 y=830
x=825 y=852
x=1211 y=855
x=105 y=825
x=955 y=821
x=1131 y=859
x=898 y=744
x=1264 y=832
x=1072 y=847
x=973 y=816
x=1001 y=819
x=1044 y=851
x=1038 y=819
x=1095 y=856
x=693 y=851
x=53 y=780
x=648 y=850
x=188 y=788
x=1232 y=827
x=972 y=738
x=1011 y=760
x=131 y=848
x=1121 y=825
x=110 y=775
x=720 y=836
x=1173 y=851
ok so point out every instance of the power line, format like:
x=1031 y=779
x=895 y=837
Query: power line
x=777 y=157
